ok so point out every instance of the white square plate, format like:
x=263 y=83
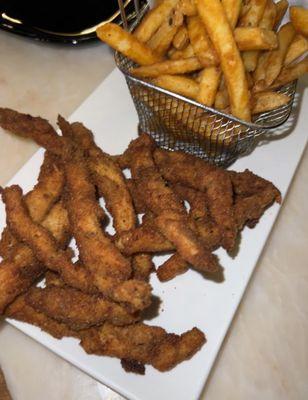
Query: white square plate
x=189 y=300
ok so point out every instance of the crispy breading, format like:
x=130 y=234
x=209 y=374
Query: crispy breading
x=22 y=269
x=144 y=239
x=47 y=251
x=139 y=205
x=246 y=183
x=106 y=175
x=22 y=311
x=201 y=175
x=76 y=309
x=142 y=266
x=170 y=214
x=39 y=200
x=35 y=128
x=144 y=344
x=174 y=266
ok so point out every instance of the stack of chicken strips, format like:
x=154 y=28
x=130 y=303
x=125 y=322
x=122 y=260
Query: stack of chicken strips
x=102 y=297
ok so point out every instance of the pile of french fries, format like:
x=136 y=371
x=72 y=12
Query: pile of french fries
x=230 y=54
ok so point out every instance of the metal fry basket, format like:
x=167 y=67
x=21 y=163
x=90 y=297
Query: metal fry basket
x=180 y=123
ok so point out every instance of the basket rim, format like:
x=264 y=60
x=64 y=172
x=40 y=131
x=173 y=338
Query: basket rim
x=249 y=125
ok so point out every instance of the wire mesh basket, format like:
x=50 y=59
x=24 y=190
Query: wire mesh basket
x=180 y=123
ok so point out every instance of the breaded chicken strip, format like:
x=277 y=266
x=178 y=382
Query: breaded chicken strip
x=132 y=293
x=142 y=343
x=193 y=172
x=76 y=309
x=39 y=200
x=22 y=269
x=174 y=266
x=35 y=128
x=170 y=214
x=106 y=175
x=111 y=184
x=22 y=311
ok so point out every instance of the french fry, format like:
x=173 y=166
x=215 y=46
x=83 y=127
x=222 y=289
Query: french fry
x=200 y=42
x=163 y=37
x=267 y=101
x=127 y=44
x=297 y=49
x=222 y=99
x=281 y=9
x=188 y=7
x=290 y=74
x=220 y=33
x=153 y=19
x=254 y=14
x=255 y=39
x=188 y=52
x=181 y=38
x=276 y=57
x=232 y=9
x=208 y=85
x=250 y=58
x=249 y=80
x=178 y=84
x=299 y=19
x=252 y=19
x=169 y=67
x=260 y=71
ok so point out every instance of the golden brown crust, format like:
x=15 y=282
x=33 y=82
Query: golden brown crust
x=39 y=200
x=144 y=344
x=22 y=311
x=174 y=266
x=171 y=217
x=205 y=177
x=76 y=309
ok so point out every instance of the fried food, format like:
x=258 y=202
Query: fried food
x=168 y=67
x=276 y=59
x=248 y=38
x=291 y=73
x=201 y=43
x=47 y=251
x=142 y=266
x=76 y=309
x=22 y=269
x=106 y=175
x=174 y=266
x=179 y=84
x=266 y=101
x=232 y=9
x=203 y=176
x=299 y=19
x=22 y=311
x=181 y=38
x=219 y=31
x=297 y=48
x=126 y=43
x=154 y=19
x=281 y=9
x=35 y=128
x=40 y=200
x=170 y=215
x=209 y=82
x=144 y=344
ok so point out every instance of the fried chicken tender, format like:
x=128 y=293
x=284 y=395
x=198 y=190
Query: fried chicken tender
x=144 y=344
x=170 y=214
x=40 y=200
x=174 y=266
x=193 y=172
x=76 y=309
x=22 y=269
x=106 y=175
x=253 y=196
x=134 y=294
x=246 y=183
x=111 y=184
x=35 y=128
x=22 y=311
